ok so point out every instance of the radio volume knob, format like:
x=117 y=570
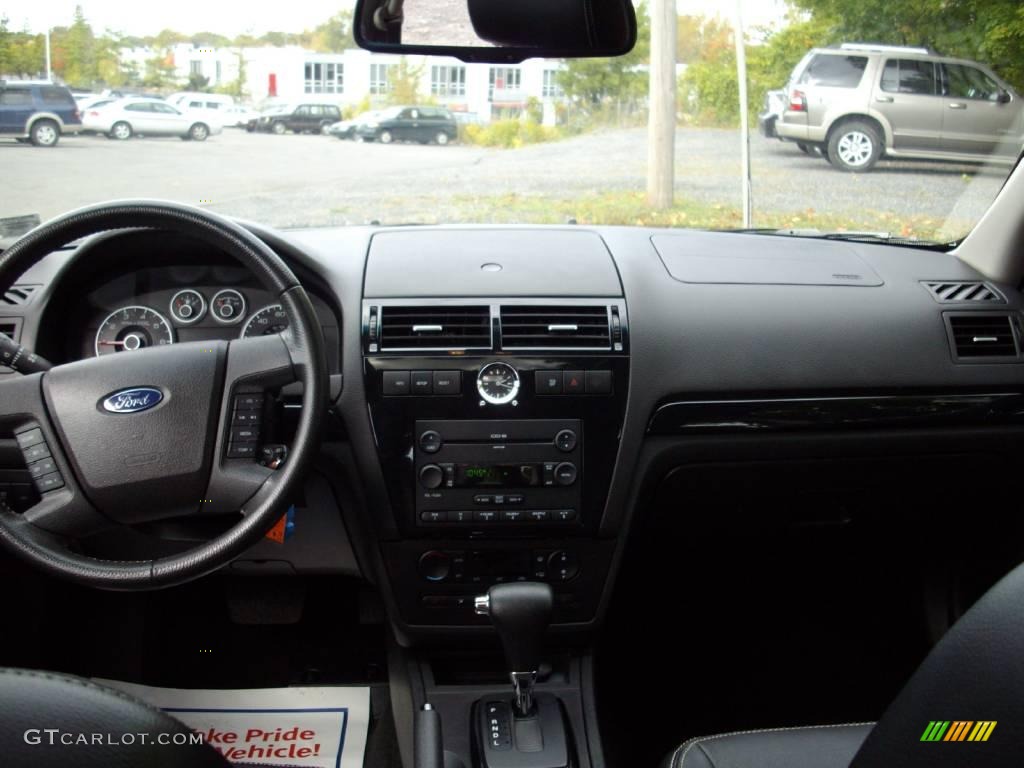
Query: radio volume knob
x=565 y=473
x=431 y=476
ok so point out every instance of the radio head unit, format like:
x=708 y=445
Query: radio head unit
x=498 y=473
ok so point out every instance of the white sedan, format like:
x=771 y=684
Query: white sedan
x=125 y=118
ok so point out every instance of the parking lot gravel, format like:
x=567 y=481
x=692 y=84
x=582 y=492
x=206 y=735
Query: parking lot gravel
x=319 y=180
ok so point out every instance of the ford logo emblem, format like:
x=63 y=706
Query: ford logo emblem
x=132 y=400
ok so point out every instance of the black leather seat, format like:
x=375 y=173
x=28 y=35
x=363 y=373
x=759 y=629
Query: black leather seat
x=975 y=673
x=49 y=720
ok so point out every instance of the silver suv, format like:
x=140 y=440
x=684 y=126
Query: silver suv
x=860 y=102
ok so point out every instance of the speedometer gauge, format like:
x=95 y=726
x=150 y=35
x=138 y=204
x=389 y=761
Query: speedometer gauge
x=269 y=320
x=132 y=328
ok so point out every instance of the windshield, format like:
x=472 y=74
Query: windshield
x=858 y=116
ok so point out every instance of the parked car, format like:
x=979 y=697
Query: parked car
x=127 y=117
x=422 y=124
x=346 y=129
x=239 y=115
x=308 y=117
x=861 y=102
x=774 y=106
x=37 y=112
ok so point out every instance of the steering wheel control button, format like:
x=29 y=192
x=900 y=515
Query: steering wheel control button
x=241 y=450
x=572 y=382
x=435 y=565
x=36 y=452
x=49 y=482
x=244 y=435
x=430 y=441
x=548 y=382
x=396 y=383
x=599 y=382
x=248 y=402
x=565 y=440
x=30 y=438
x=434 y=516
x=422 y=382
x=42 y=467
x=246 y=418
x=447 y=382
x=565 y=473
x=431 y=477
x=563 y=565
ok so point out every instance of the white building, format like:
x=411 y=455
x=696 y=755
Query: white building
x=292 y=74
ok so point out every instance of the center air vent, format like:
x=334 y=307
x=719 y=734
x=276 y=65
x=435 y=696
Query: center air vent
x=967 y=293
x=439 y=327
x=976 y=335
x=555 y=327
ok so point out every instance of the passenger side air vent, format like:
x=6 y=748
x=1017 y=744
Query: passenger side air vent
x=555 y=327
x=439 y=327
x=976 y=335
x=964 y=293
x=18 y=295
x=9 y=328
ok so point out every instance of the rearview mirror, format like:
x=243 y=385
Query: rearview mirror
x=497 y=31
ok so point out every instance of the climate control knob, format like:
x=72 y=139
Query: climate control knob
x=431 y=476
x=565 y=473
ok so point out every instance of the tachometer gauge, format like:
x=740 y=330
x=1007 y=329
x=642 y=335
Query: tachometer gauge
x=132 y=328
x=228 y=307
x=269 y=320
x=498 y=383
x=188 y=306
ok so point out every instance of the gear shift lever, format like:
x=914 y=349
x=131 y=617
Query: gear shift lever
x=520 y=612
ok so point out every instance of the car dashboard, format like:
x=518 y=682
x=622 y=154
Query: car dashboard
x=508 y=401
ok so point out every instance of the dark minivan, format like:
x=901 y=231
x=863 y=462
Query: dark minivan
x=422 y=124
x=38 y=112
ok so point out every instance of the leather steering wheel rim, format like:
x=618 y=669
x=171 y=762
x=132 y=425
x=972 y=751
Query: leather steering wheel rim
x=303 y=360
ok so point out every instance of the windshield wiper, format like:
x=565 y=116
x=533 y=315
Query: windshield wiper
x=886 y=238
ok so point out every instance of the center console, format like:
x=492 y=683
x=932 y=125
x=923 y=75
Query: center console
x=497 y=425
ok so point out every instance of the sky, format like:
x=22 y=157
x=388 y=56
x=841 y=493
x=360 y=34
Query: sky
x=232 y=18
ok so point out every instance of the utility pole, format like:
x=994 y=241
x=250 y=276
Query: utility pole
x=661 y=122
x=741 y=78
x=49 y=74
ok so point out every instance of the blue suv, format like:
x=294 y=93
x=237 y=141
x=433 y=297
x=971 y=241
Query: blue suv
x=37 y=112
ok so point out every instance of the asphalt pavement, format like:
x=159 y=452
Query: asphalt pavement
x=307 y=180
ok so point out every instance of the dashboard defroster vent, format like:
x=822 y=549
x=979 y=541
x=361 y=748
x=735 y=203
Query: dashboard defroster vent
x=18 y=295
x=976 y=335
x=963 y=292
x=555 y=327
x=436 y=327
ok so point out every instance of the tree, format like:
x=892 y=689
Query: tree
x=159 y=71
x=404 y=82
x=334 y=35
x=620 y=79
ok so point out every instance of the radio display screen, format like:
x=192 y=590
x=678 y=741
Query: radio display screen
x=499 y=475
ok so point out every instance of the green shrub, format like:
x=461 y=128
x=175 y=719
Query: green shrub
x=509 y=134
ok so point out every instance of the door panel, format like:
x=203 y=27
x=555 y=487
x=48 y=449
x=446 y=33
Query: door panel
x=907 y=95
x=16 y=106
x=974 y=120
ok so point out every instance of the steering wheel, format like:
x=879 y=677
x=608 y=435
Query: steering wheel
x=137 y=437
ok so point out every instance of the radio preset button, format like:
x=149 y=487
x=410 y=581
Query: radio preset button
x=537 y=515
x=485 y=516
x=511 y=515
x=564 y=515
x=565 y=440
x=431 y=476
x=460 y=516
x=565 y=473
x=433 y=516
x=430 y=441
